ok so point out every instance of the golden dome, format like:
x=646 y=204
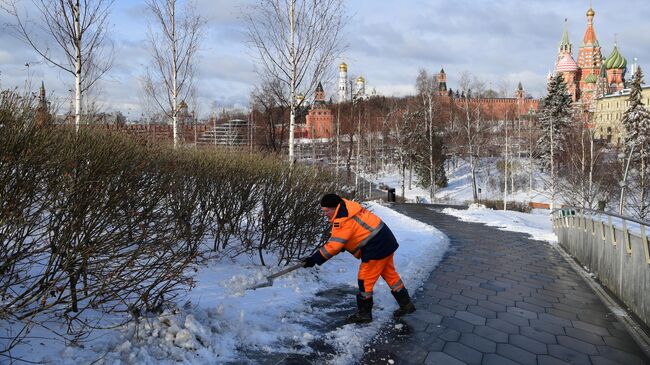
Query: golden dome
x=361 y=79
x=591 y=12
x=343 y=67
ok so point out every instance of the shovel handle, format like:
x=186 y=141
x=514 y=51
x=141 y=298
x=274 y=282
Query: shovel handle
x=285 y=271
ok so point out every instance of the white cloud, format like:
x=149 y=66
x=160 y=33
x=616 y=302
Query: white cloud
x=389 y=41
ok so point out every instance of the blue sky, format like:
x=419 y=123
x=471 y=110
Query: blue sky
x=501 y=42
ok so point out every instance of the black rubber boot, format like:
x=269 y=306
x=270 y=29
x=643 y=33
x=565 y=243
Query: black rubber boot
x=404 y=301
x=364 y=312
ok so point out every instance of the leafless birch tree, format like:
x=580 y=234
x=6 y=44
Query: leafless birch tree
x=78 y=29
x=296 y=42
x=174 y=39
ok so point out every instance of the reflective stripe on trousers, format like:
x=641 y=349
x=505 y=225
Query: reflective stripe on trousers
x=369 y=273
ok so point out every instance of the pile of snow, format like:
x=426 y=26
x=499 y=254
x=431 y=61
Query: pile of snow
x=219 y=321
x=537 y=223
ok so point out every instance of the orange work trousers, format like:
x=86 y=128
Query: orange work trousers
x=370 y=271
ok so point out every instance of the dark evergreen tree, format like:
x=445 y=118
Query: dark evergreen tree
x=636 y=122
x=554 y=117
x=554 y=120
x=421 y=159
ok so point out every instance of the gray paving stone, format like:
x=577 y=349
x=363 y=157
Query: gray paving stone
x=554 y=319
x=619 y=356
x=503 y=326
x=491 y=333
x=452 y=304
x=425 y=316
x=480 y=311
x=552 y=328
x=562 y=314
x=599 y=360
x=507 y=302
x=412 y=353
x=522 y=312
x=494 y=359
x=550 y=360
x=537 y=301
x=540 y=336
x=491 y=286
x=626 y=344
x=586 y=336
x=414 y=324
x=444 y=333
x=427 y=342
x=529 y=306
x=528 y=344
x=471 y=293
x=440 y=309
x=511 y=318
x=465 y=300
x=478 y=343
x=463 y=353
x=516 y=354
x=496 y=307
x=470 y=318
x=457 y=324
x=591 y=328
x=568 y=355
x=441 y=358
x=578 y=345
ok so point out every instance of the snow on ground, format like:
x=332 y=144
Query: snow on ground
x=537 y=223
x=219 y=317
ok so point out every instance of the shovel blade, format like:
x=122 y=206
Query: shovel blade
x=264 y=284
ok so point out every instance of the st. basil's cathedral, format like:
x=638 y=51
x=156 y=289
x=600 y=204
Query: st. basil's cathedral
x=592 y=76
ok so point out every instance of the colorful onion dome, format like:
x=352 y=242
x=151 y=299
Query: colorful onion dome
x=361 y=79
x=591 y=79
x=615 y=60
x=591 y=12
x=567 y=64
x=343 y=67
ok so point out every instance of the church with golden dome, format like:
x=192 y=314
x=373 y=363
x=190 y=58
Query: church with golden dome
x=591 y=76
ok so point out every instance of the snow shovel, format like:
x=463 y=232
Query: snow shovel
x=269 y=279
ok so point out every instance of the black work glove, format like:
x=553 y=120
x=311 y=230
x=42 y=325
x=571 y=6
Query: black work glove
x=308 y=262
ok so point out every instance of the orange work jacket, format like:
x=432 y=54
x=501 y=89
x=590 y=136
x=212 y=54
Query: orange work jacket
x=358 y=231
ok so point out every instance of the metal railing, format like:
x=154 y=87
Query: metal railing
x=612 y=247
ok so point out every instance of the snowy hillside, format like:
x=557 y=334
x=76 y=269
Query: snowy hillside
x=459 y=189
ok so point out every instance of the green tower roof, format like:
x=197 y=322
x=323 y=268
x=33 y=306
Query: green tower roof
x=615 y=60
x=591 y=79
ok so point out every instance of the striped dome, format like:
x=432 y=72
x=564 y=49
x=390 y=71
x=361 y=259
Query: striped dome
x=615 y=60
x=567 y=64
x=591 y=79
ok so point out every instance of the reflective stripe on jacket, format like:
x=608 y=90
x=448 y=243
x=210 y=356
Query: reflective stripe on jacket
x=358 y=231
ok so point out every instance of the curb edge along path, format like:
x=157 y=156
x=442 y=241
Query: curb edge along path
x=499 y=297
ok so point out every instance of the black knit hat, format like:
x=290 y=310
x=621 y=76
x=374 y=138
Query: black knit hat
x=330 y=201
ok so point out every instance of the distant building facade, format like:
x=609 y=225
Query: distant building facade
x=609 y=111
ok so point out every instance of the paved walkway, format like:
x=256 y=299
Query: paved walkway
x=501 y=298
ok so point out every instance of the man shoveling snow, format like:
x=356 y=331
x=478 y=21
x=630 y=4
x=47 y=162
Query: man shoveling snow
x=364 y=235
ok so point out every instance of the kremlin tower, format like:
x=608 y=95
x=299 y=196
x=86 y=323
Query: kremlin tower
x=319 y=120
